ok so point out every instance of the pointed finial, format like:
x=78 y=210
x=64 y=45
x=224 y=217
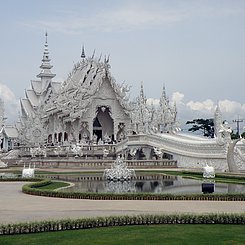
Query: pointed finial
x=164 y=90
x=108 y=59
x=46 y=37
x=100 y=57
x=46 y=66
x=141 y=89
x=83 y=56
x=93 y=54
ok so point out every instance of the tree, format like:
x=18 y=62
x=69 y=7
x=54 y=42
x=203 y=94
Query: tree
x=204 y=125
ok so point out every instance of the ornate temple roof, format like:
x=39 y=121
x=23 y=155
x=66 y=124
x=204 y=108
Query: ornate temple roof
x=36 y=86
x=26 y=107
x=32 y=97
x=83 y=83
x=42 y=89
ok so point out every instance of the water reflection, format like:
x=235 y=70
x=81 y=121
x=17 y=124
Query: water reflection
x=120 y=186
x=144 y=183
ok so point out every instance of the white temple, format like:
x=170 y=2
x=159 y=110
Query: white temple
x=91 y=108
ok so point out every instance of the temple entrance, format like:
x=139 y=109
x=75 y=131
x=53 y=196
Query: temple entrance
x=97 y=130
x=98 y=134
x=103 y=126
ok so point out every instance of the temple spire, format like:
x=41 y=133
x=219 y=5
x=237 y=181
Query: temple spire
x=46 y=73
x=164 y=91
x=163 y=98
x=83 y=56
x=142 y=95
x=46 y=35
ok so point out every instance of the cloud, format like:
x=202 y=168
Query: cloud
x=121 y=18
x=11 y=104
x=205 y=109
x=188 y=110
x=231 y=107
x=204 y=106
x=109 y=21
x=127 y=16
x=6 y=93
x=178 y=98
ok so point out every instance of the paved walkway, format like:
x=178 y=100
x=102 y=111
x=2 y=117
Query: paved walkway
x=16 y=206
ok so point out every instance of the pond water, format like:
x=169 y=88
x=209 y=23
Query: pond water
x=144 y=183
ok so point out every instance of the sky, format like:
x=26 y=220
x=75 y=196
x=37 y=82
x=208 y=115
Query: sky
x=195 y=48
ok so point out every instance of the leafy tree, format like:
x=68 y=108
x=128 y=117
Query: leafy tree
x=237 y=136
x=206 y=126
x=234 y=136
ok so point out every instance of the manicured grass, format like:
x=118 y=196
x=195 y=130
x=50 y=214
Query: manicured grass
x=152 y=234
x=40 y=172
x=224 y=178
x=53 y=185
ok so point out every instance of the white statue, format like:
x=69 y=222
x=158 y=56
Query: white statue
x=28 y=172
x=158 y=152
x=105 y=152
x=208 y=172
x=77 y=149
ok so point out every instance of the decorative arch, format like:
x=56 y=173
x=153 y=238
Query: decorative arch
x=103 y=123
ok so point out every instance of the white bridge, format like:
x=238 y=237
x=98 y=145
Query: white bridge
x=189 y=151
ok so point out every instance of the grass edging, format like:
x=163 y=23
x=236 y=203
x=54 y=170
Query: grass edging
x=16 y=179
x=88 y=223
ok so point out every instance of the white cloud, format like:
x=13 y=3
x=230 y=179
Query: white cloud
x=130 y=16
x=204 y=106
x=178 y=98
x=6 y=93
x=205 y=109
x=114 y=19
x=231 y=107
x=11 y=104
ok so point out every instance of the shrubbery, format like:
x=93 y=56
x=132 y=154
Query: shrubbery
x=87 y=223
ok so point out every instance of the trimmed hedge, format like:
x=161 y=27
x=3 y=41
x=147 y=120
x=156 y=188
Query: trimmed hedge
x=32 y=189
x=217 y=175
x=20 y=179
x=87 y=223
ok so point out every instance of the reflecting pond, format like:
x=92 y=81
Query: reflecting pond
x=143 y=183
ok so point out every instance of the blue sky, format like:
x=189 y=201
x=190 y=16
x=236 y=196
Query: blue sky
x=196 y=48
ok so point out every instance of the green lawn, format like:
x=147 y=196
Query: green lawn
x=153 y=234
x=53 y=185
x=223 y=178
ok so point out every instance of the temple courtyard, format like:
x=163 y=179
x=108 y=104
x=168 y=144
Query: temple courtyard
x=16 y=206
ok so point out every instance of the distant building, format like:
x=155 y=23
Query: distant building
x=8 y=134
x=9 y=137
